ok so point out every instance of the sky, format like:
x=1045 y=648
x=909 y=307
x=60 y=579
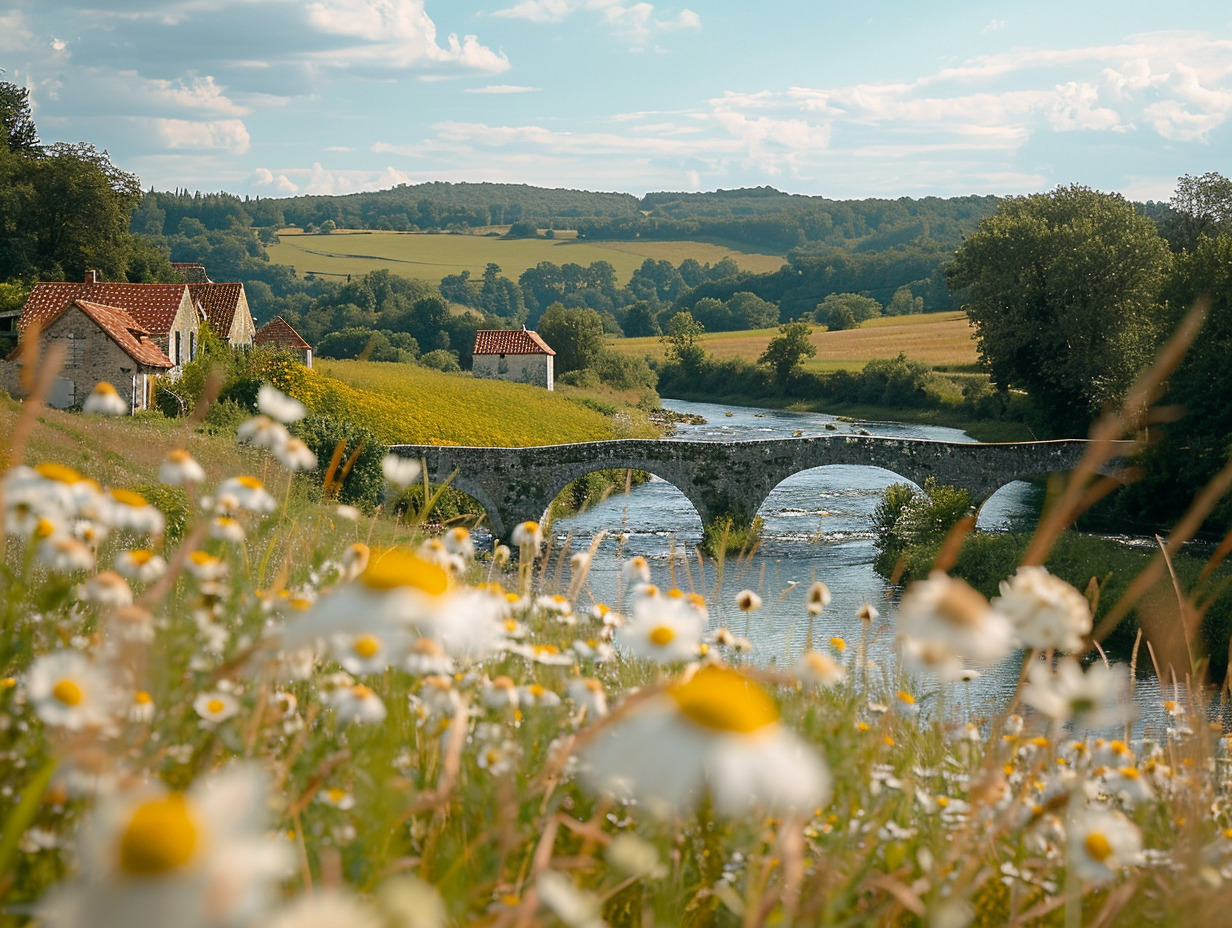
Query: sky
x=861 y=98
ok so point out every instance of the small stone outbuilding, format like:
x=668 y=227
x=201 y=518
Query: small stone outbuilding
x=278 y=333
x=102 y=343
x=516 y=354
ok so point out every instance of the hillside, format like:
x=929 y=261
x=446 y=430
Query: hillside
x=430 y=257
x=937 y=339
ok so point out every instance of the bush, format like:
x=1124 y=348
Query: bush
x=441 y=359
x=363 y=482
x=911 y=525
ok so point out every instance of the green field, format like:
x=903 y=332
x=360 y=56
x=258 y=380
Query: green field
x=432 y=256
x=938 y=339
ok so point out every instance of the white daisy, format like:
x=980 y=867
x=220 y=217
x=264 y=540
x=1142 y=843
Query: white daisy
x=718 y=733
x=277 y=405
x=141 y=565
x=104 y=400
x=180 y=469
x=400 y=472
x=216 y=706
x=356 y=704
x=248 y=492
x=1102 y=843
x=945 y=613
x=107 y=588
x=1046 y=612
x=263 y=432
x=663 y=628
x=68 y=691
x=818 y=598
x=294 y=455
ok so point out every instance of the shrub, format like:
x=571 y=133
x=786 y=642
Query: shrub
x=911 y=525
x=357 y=477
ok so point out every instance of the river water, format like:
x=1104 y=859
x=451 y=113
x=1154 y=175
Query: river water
x=818 y=526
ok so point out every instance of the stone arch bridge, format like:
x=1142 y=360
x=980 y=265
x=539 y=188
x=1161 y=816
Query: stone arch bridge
x=728 y=478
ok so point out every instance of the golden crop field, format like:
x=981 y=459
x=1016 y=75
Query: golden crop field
x=403 y=403
x=936 y=339
x=432 y=256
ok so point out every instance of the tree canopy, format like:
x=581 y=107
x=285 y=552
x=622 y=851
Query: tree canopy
x=1062 y=288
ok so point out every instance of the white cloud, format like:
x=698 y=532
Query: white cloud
x=500 y=89
x=15 y=35
x=397 y=33
x=320 y=181
x=197 y=94
x=228 y=135
x=634 y=22
x=995 y=25
x=281 y=183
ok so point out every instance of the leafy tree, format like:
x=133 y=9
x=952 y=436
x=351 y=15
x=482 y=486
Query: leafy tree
x=1200 y=206
x=788 y=349
x=640 y=320
x=749 y=311
x=680 y=340
x=17 y=130
x=1061 y=288
x=904 y=303
x=848 y=310
x=576 y=335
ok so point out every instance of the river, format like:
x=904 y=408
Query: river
x=818 y=526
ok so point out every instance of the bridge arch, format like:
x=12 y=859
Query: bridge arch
x=675 y=476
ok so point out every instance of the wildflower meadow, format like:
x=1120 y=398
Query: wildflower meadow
x=287 y=716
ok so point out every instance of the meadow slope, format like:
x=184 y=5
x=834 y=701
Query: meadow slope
x=432 y=256
x=937 y=339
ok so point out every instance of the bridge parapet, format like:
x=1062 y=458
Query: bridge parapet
x=729 y=478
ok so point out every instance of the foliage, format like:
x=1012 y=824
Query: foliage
x=910 y=526
x=1201 y=206
x=367 y=345
x=680 y=341
x=1062 y=289
x=846 y=310
x=576 y=335
x=348 y=455
x=788 y=349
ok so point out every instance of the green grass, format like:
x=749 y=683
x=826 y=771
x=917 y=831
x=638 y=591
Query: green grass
x=432 y=256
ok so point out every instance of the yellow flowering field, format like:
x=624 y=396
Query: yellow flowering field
x=402 y=403
x=267 y=720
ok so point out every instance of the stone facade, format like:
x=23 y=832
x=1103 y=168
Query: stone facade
x=101 y=344
x=225 y=308
x=731 y=478
x=517 y=355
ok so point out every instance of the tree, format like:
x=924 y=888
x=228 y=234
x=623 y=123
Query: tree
x=1061 y=288
x=17 y=129
x=576 y=335
x=639 y=320
x=749 y=311
x=846 y=310
x=1201 y=206
x=680 y=341
x=788 y=349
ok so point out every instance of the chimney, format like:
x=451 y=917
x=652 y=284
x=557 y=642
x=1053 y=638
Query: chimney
x=91 y=277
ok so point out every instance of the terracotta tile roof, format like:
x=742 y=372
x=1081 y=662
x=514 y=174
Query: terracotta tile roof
x=219 y=302
x=511 y=341
x=153 y=306
x=193 y=273
x=277 y=333
x=123 y=329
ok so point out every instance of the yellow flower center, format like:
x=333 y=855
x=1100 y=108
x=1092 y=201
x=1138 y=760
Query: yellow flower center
x=838 y=644
x=58 y=473
x=662 y=636
x=360 y=691
x=143 y=698
x=251 y=483
x=394 y=568
x=906 y=697
x=68 y=692
x=724 y=700
x=140 y=557
x=215 y=706
x=202 y=558
x=366 y=646
x=129 y=498
x=536 y=690
x=161 y=836
x=45 y=528
x=336 y=795
x=179 y=456
x=1097 y=846
x=1130 y=773
x=105 y=389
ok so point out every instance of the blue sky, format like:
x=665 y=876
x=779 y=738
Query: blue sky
x=851 y=99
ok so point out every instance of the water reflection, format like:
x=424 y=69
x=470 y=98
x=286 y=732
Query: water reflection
x=818 y=526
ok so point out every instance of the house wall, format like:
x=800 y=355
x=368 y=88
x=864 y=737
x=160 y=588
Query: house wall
x=242 y=326
x=521 y=368
x=90 y=358
x=185 y=326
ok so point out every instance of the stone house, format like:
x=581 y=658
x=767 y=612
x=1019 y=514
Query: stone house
x=225 y=308
x=278 y=333
x=518 y=355
x=102 y=343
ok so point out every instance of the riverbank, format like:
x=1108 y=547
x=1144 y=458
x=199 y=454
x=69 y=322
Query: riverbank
x=983 y=430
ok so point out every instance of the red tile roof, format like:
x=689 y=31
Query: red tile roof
x=153 y=306
x=123 y=329
x=513 y=341
x=277 y=333
x=219 y=301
